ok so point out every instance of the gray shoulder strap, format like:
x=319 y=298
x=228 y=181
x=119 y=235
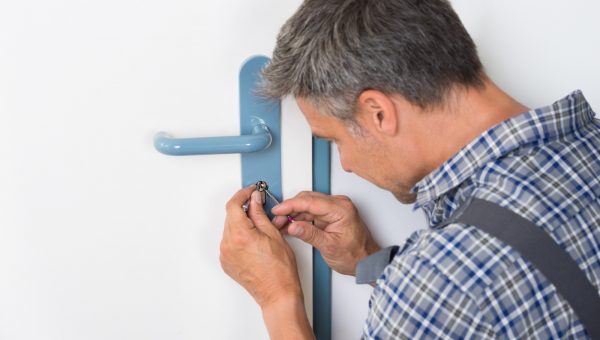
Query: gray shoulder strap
x=546 y=255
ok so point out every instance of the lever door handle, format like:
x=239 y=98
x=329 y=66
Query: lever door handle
x=258 y=140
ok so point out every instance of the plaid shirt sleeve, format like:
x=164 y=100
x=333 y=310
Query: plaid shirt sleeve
x=414 y=300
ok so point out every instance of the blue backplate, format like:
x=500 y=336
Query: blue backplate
x=263 y=165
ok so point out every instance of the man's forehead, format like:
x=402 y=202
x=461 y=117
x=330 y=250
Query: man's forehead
x=305 y=105
x=309 y=111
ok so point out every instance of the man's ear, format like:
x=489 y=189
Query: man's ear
x=377 y=110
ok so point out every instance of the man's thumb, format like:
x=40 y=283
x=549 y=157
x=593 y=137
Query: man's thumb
x=257 y=213
x=307 y=232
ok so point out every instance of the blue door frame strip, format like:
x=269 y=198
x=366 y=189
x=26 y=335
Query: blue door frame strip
x=321 y=271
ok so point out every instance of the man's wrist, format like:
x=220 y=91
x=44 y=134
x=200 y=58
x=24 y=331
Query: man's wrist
x=288 y=302
x=372 y=247
x=286 y=318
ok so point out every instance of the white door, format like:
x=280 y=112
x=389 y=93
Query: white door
x=538 y=51
x=102 y=237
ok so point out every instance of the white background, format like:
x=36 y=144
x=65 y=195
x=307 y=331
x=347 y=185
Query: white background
x=538 y=51
x=102 y=237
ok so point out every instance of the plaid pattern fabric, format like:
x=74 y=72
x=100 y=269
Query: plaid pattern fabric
x=458 y=282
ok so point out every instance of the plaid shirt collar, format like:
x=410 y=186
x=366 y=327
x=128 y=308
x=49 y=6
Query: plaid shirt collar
x=541 y=125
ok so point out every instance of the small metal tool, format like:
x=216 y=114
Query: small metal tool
x=289 y=218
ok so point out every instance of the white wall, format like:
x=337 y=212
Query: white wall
x=102 y=237
x=538 y=51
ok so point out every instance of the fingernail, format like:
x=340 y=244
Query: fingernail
x=256 y=197
x=297 y=231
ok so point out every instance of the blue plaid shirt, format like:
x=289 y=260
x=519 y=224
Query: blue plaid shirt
x=458 y=282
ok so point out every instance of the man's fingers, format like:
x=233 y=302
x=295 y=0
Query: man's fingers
x=304 y=217
x=259 y=217
x=236 y=219
x=308 y=233
x=279 y=221
x=313 y=203
x=234 y=205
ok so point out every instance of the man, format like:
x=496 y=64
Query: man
x=398 y=87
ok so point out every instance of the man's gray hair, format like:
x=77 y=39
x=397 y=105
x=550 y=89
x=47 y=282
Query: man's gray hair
x=330 y=51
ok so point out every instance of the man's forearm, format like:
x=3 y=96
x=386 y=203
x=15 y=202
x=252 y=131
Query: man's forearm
x=286 y=319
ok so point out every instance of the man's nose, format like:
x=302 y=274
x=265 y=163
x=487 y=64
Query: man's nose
x=345 y=165
x=343 y=160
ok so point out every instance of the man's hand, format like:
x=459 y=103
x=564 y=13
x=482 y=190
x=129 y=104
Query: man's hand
x=254 y=253
x=329 y=223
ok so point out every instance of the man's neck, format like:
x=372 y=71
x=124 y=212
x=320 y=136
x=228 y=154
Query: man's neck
x=467 y=115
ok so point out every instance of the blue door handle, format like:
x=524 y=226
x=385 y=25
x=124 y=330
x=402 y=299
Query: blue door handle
x=258 y=140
